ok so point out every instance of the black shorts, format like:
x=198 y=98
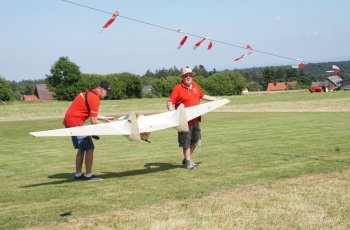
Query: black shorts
x=83 y=143
x=192 y=137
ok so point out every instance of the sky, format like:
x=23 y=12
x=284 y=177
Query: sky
x=36 y=33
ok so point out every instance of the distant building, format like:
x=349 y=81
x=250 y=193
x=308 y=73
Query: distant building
x=345 y=84
x=280 y=86
x=30 y=98
x=42 y=92
x=147 y=89
x=333 y=82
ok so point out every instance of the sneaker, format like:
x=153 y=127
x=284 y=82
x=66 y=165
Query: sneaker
x=191 y=165
x=184 y=162
x=82 y=177
x=93 y=178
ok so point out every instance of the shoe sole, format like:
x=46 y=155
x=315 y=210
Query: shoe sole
x=193 y=167
x=184 y=164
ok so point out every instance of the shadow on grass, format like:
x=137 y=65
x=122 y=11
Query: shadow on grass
x=316 y=158
x=148 y=168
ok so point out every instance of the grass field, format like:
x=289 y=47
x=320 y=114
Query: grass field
x=276 y=161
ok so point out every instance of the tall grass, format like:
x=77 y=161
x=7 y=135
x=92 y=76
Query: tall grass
x=248 y=174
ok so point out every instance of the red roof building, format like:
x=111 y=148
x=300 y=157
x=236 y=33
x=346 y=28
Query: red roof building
x=333 y=82
x=279 y=86
x=42 y=92
x=30 y=98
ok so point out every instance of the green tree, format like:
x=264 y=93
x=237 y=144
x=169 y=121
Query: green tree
x=6 y=93
x=226 y=83
x=254 y=86
x=201 y=81
x=268 y=75
x=125 y=85
x=200 y=71
x=163 y=87
x=65 y=79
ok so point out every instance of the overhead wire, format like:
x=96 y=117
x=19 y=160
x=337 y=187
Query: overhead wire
x=177 y=31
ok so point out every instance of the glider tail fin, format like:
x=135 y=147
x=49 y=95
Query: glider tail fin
x=134 y=128
x=183 y=125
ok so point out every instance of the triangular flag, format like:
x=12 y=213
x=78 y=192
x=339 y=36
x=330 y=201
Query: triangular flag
x=198 y=43
x=110 y=21
x=182 y=42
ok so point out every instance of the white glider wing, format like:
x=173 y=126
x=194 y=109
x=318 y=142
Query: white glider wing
x=112 y=128
x=133 y=126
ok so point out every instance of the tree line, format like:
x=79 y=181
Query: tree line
x=66 y=80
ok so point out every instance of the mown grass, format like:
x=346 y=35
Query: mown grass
x=250 y=165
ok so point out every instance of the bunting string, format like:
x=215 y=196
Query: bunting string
x=186 y=35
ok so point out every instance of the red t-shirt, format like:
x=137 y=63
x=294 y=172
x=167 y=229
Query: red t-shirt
x=189 y=96
x=77 y=113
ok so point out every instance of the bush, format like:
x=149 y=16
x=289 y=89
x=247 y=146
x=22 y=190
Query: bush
x=225 y=83
x=6 y=93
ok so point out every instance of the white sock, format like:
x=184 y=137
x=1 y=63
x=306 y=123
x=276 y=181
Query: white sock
x=78 y=174
x=88 y=175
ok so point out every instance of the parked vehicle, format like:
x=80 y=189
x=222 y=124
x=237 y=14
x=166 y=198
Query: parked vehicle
x=316 y=89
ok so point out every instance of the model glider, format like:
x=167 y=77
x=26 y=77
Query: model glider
x=135 y=127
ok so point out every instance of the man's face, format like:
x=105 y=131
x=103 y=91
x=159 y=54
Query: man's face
x=187 y=79
x=103 y=93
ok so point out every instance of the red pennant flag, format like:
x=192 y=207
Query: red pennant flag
x=182 y=42
x=298 y=66
x=110 y=21
x=335 y=69
x=210 y=45
x=248 y=47
x=198 y=43
x=239 y=58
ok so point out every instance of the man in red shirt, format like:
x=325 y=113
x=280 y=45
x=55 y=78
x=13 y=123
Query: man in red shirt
x=86 y=105
x=189 y=93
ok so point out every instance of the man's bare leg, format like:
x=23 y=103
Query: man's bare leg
x=79 y=161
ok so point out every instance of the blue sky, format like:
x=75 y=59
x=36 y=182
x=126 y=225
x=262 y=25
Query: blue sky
x=34 y=34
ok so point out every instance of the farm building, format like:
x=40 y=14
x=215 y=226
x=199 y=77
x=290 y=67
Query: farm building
x=30 y=98
x=333 y=82
x=41 y=93
x=279 y=86
x=345 y=84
